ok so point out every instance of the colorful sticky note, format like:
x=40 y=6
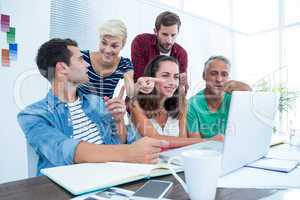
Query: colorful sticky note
x=5 y=23
x=5 y=57
x=11 y=35
x=13 y=51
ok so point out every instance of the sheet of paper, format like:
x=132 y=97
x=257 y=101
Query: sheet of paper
x=11 y=35
x=274 y=164
x=285 y=195
x=5 y=21
x=13 y=51
x=113 y=193
x=287 y=154
x=5 y=57
x=247 y=177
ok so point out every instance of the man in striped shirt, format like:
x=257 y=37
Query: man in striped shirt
x=70 y=127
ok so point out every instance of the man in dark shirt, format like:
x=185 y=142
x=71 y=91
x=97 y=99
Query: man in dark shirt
x=147 y=46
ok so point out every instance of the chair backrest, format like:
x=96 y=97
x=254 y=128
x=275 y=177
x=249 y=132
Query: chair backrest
x=32 y=161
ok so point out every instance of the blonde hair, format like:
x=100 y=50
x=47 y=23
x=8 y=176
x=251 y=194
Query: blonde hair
x=115 y=28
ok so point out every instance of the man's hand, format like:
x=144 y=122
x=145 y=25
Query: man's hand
x=218 y=137
x=116 y=106
x=146 y=84
x=232 y=85
x=146 y=150
x=183 y=82
x=183 y=79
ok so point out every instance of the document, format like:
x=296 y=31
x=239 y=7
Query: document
x=284 y=195
x=285 y=154
x=247 y=177
x=274 y=164
x=113 y=193
x=88 y=177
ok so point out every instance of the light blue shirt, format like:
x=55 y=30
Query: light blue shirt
x=48 y=128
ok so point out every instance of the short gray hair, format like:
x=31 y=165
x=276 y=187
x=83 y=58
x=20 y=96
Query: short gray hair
x=115 y=28
x=212 y=58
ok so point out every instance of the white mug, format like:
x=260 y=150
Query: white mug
x=201 y=169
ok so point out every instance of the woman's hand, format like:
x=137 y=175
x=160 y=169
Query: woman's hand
x=146 y=84
x=116 y=106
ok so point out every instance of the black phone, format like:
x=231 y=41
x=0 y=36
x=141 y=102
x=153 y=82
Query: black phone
x=153 y=189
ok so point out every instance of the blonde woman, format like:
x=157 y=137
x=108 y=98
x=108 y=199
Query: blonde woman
x=107 y=67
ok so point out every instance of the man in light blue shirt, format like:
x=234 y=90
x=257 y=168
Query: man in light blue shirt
x=68 y=126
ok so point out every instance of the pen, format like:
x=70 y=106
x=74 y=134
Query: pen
x=277 y=143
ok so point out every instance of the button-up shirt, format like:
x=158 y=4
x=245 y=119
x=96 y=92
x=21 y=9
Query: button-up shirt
x=144 y=49
x=48 y=128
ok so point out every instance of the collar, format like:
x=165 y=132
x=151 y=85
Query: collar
x=54 y=101
x=153 y=40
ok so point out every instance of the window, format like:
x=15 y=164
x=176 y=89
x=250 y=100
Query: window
x=215 y=10
x=173 y=3
x=256 y=57
x=254 y=15
x=292 y=49
x=292 y=13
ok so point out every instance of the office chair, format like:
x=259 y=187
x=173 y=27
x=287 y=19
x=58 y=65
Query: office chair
x=32 y=160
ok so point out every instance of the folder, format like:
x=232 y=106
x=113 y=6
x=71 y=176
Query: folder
x=88 y=177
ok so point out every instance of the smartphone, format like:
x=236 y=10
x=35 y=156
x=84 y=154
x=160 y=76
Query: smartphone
x=153 y=189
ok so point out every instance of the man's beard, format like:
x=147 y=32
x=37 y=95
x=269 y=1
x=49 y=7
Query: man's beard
x=163 y=49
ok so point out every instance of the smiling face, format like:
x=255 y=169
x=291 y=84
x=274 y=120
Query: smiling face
x=166 y=37
x=168 y=71
x=77 y=69
x=110 y=48
x=215 y=76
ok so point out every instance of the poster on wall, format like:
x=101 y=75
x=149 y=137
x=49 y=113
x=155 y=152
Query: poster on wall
x=9 y=46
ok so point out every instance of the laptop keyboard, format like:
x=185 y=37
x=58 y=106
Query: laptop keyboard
x=211 y=145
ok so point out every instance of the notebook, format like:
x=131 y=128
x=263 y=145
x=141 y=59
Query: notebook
x=88 y=177
x=274 y=164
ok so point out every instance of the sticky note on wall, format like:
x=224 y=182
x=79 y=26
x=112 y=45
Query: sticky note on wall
x=13 y=51
x=5 y=20
x=5 y=57
x=11 y=35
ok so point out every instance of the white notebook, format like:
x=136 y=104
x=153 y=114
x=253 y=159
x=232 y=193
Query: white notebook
x=87 y=177
x=274 y=164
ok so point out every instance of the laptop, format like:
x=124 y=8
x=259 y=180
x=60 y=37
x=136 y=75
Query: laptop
x=248 y=133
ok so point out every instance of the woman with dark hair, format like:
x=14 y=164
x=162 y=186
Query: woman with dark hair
x=158 y=108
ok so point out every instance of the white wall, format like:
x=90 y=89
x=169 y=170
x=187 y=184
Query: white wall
x=199 y=37
x=31 y=20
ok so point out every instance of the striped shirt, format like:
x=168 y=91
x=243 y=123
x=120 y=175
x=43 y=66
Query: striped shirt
x=104 y=85
x=83 y=128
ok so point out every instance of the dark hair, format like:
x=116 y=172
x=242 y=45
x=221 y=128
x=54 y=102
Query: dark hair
x=51 y=52
x=150 y=102
x=167 y=18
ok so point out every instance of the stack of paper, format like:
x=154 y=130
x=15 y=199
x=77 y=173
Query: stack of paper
x=248 y=177
x=284 y=154
x=261 y=178
x=274 y=164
